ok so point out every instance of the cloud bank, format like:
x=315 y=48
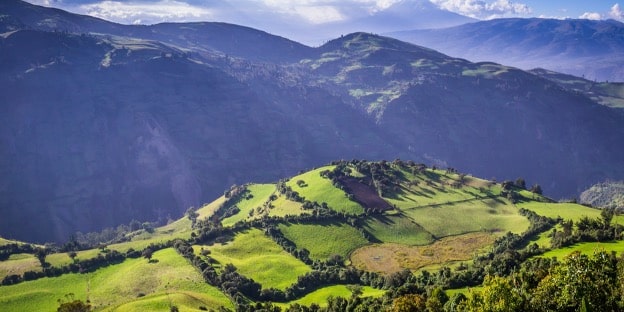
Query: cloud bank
x=484 y=9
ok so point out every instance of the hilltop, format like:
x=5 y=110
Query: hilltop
x=106 y=123
x=368 y=231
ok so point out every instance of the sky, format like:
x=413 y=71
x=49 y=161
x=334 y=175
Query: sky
x=289 y=16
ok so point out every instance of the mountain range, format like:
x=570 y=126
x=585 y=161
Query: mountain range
x=103 y=123
x=585 y=48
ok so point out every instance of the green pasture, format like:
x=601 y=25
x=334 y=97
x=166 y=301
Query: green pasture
x=283 y=207
x=259 y=194
x=320 y=295
x=433 y=188
x=321 y=190
x=397 y=229
x=208 y=210
x=117 y=286
x=18 y=264
x=586 y=248
x=258 y=257
x=483 y=215
x=567 y=211
x=324 y=240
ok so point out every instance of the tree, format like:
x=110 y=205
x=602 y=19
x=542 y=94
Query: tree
x=520 y=183
x=409 y=303
x=71 y=304
x=147 y=254
x=192 y=215
x=498 y=294
x=72 y=255
x=536 y=188
x=607 y=215
x=41 y=254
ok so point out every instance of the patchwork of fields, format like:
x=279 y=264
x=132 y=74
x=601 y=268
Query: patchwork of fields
x=438 y=219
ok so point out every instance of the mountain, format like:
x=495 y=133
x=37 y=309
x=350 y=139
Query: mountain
x=608 y=194
x=144 y=122
x=348 y=233
x=610 y=94
x=401 y=15
x=587 y=48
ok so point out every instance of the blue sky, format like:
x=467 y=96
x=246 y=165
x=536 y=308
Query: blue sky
x=320 y=11
x=294 y=18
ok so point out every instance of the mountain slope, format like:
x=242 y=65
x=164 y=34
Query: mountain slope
x=591 y=49
x=452 y=229
x=233 y=40
x=453 y=110
x=99 y=129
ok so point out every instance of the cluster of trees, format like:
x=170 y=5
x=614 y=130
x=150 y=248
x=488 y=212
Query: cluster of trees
x=593 y=282
x=383 y=176
x=587 y=230
x=288 y=192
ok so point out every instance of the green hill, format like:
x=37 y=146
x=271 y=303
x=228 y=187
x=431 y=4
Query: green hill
x=352 y=229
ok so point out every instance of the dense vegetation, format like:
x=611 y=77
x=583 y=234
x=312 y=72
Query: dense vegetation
x=384 y=254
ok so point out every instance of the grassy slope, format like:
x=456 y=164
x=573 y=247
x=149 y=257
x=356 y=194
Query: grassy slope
x=283 y=207
x=18 y=264
x=491 y=215
x=586 y=248
x=258 y=257
x=320 y=295
x=324 y=240
x=260 y=193
x=567 y=211
x=397 y=229
x=115 y=285
x=208 y=210
x=443 y=210
x=321 y=190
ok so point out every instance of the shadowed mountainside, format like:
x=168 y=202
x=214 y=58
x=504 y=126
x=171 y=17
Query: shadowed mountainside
x=101 y=128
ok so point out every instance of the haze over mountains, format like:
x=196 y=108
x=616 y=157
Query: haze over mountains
x=103 y=123
x=588 y=48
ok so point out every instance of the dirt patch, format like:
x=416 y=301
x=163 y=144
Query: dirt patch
x=364 y=194
x=390 y=258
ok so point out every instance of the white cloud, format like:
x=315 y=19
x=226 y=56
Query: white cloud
x=148 y=12
x=484 y=9
x=616 y=12
x=591 y=16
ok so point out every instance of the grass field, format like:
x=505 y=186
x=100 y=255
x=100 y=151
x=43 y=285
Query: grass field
x=432 y=188
x=321 y=190
x=260 y=194
x=567 y=211
x=586 y=248
x=18 y=264
x=258 y=257
x=492 y=215
x=283 y=207
x=320 y=295
x=389 y=258
x=397 y=229
x=118 y=286
x=208 y=210
x=324 y=240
